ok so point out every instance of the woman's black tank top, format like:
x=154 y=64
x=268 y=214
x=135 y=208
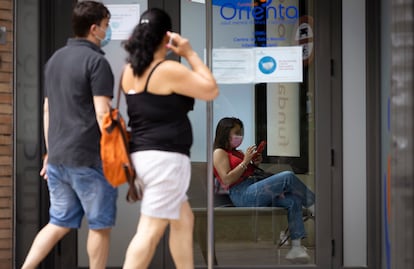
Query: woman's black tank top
x=159 y=122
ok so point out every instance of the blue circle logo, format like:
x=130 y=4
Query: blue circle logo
x=267 y=65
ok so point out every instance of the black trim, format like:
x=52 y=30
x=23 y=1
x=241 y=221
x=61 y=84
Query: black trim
x=54 y=28
x=373 y=140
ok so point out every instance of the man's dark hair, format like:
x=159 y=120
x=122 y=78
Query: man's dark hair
x=87 y=13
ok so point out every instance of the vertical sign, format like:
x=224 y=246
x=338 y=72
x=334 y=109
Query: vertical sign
x=283 y=130
x=283 y=133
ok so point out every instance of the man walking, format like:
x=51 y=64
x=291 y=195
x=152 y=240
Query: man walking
x=78 y=89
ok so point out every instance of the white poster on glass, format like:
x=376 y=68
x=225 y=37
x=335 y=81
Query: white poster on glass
x=123 y=20
x=283 y=133
x=233 y=66
x=258 y=65
x=278 y=64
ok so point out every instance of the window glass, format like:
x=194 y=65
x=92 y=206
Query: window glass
x=262 y=58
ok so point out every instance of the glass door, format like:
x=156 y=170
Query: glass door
x=274 y=86
x=272 y=76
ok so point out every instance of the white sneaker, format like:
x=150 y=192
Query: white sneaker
x=311 y=209
x=298 y=255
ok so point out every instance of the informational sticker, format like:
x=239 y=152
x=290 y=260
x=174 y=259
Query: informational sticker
x=258 y=65
x=123 y=20
x=233 y=66
x=278 y=64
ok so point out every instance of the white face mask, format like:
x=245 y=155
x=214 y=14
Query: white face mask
x=236 y=141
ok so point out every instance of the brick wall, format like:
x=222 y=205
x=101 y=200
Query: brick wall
x=6 y=135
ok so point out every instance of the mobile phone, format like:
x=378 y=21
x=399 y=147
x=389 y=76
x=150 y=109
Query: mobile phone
x=169 y=45
x=260 y=147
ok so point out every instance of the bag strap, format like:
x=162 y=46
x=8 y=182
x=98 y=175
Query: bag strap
x=133 y=194
x=118 y=98
x=150 y=74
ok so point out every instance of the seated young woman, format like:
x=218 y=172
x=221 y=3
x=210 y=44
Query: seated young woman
x=235 y=171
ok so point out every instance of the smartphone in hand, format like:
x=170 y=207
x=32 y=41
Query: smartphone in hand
x=260 y=148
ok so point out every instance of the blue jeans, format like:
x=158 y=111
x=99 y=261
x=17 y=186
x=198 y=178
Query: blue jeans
x=78 y=191
x=267 y=192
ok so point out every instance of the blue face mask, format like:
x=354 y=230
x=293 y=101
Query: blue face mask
x=107 y=38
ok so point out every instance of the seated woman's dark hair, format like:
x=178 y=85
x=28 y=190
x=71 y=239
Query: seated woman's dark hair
x=146 y=38
x=223 y=129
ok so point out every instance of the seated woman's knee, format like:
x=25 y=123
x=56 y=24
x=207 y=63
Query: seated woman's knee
x=287 y=174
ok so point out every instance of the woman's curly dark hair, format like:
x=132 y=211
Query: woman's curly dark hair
x=146 y=38
x=223 y=129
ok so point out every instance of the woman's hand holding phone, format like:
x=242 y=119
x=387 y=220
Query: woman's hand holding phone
x=260 y=148
x=257 y=157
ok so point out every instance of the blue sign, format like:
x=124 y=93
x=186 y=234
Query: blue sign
x=246 y=10
x=267 y=65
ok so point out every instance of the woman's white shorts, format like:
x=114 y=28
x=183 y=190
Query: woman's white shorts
x=166 y=177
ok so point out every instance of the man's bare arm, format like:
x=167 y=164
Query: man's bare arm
x=102 y=104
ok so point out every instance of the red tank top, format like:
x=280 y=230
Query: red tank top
x=235 y=158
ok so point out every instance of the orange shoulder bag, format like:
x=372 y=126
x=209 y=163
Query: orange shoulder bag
x=116 y=160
